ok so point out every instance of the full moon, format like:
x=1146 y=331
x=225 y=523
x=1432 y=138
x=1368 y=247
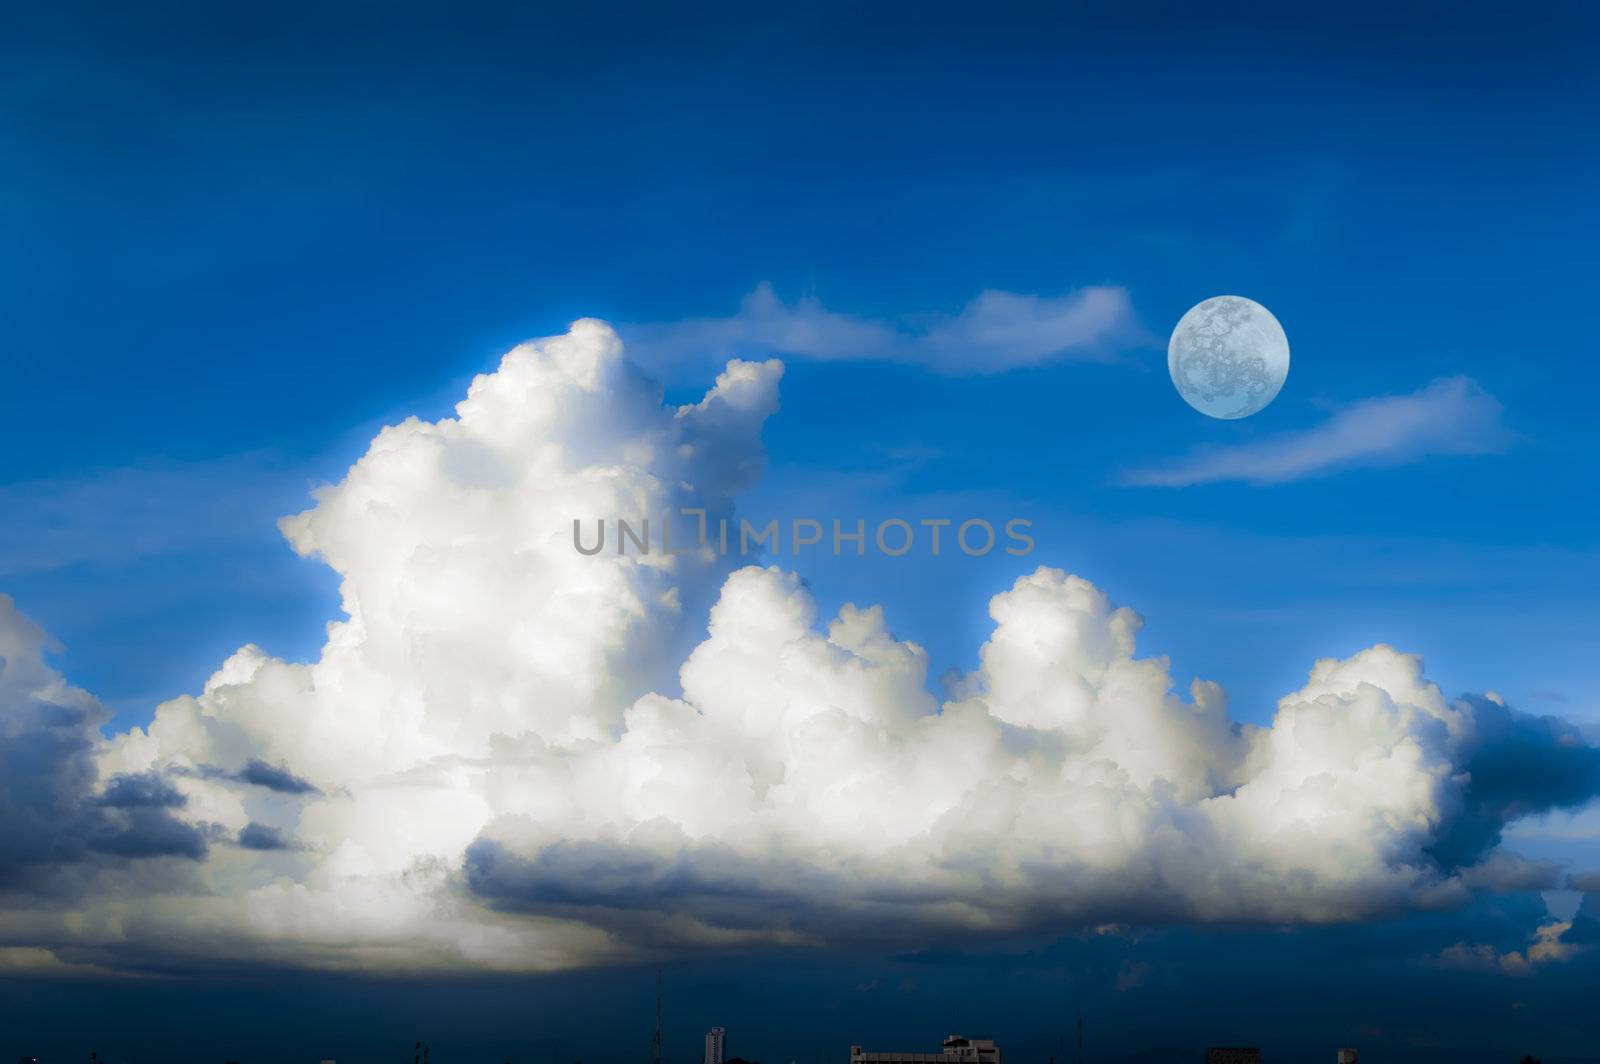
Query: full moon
x=1228 y=357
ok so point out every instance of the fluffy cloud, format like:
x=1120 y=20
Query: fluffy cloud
x=510 y=756
x=806 y=785
x=1450 y=416
x=49 y=812
x=1547 y=946
x=994 y=332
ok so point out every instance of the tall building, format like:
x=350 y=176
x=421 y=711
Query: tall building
x=1347 y=1056
x=716 y=1045
x=1233 y=1055
x=957 y=1050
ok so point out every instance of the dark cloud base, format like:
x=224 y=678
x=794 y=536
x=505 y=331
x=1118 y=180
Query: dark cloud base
x=1297 y=994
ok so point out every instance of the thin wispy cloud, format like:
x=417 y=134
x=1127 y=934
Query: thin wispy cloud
x=996 y=331
x=1450 y=416
x=121 y=515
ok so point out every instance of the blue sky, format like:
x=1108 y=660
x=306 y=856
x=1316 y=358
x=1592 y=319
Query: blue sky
x=241 y=245
x=240 y=240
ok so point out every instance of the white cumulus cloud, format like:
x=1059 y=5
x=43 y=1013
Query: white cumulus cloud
x=512 y=756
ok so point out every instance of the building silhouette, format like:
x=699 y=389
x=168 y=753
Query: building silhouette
x=716 y=1045
x=956 y=1050
x=1233 y=1055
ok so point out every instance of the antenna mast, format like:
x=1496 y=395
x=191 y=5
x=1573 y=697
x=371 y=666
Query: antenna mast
x=656 y=1042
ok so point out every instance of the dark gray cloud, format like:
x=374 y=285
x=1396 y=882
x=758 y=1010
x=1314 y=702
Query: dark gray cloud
x=274 y=778
x=46 y=773
x=1504 y=871
x=256 y=836
x=147 y=831
x=625 y=888
x=1520 y=765
x=140 y=791
x=1296 y=993
x=50 y=814
x=257 y=773
x=645 y=895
